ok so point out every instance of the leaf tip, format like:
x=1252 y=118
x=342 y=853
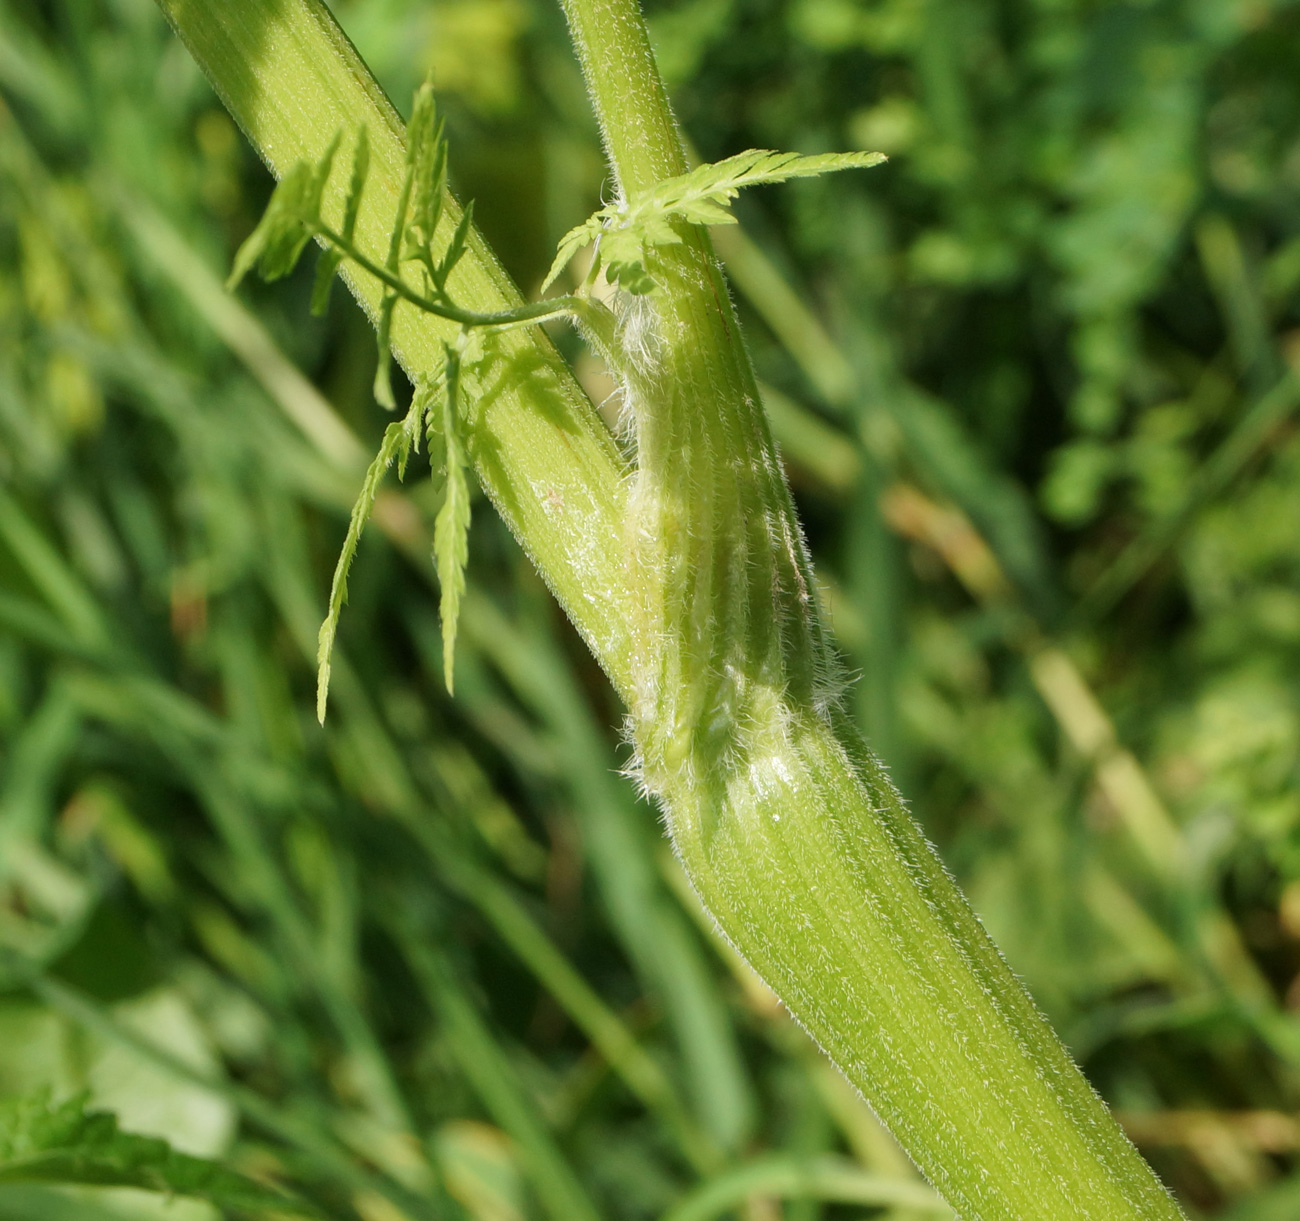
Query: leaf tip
x=324 y=650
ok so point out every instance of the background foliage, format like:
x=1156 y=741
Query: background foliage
x=433 y=960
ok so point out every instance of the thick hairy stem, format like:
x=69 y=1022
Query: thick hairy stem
x=792 y=834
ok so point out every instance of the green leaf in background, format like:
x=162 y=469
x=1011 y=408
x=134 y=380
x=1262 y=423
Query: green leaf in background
x=43 y=1142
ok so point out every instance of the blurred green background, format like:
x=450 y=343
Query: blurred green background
x=1036 y=384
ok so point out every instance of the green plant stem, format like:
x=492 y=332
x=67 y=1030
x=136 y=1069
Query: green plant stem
x=792 y=834
x=693 y=589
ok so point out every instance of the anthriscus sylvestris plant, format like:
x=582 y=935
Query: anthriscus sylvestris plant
x=626 y=238
x=684 y=569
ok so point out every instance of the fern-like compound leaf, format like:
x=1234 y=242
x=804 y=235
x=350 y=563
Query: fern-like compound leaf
x=396 y=444
x=451 y=527
x=703 y=196
x=427 y=149
x=627 y=231
x=292 y=218
x=65 y=1143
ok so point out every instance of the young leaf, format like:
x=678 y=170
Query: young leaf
x=43 y=1143
x=427 y=147
x=287 y=225
x=451 y=527
x=573 y=241
x=280 y=235
x=631 y=276
x=421 y=131
x=701 y=197
x=396 y=443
